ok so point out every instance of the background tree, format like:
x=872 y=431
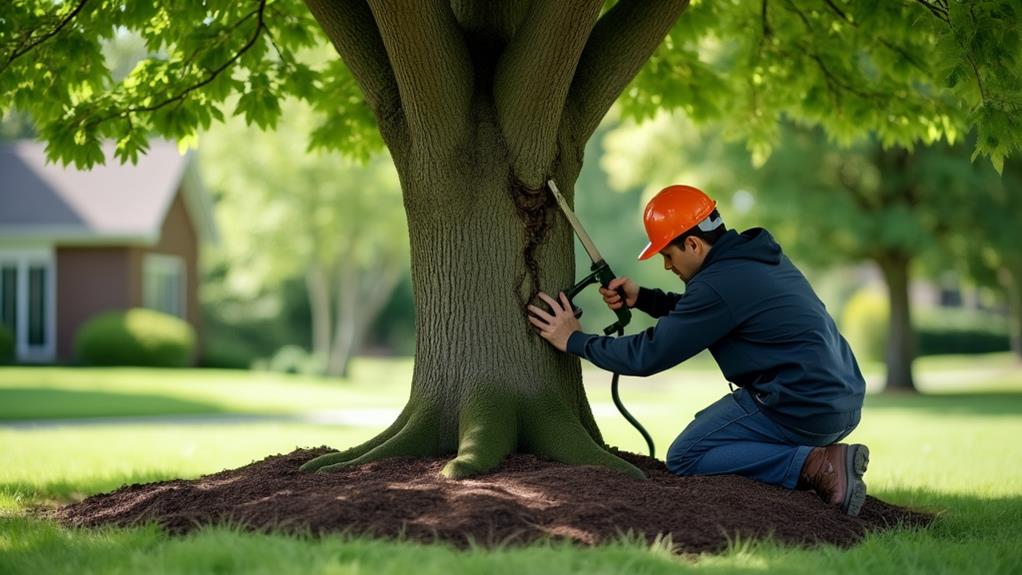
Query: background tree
x=335 y=222
x=480 y=103
x=991 y=252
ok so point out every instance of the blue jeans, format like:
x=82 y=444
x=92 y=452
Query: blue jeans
x=733 y=436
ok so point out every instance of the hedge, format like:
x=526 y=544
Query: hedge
x=938 y=331
x=138 y=336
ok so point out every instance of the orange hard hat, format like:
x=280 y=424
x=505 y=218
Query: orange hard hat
x=672 y=212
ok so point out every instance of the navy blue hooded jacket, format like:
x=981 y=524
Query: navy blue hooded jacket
x=765 y=327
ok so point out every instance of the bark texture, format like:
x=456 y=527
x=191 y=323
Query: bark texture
x=480 y=103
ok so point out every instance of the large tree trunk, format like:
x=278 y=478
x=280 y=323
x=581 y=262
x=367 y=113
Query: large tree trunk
x=484 y=383
x=480 y=103
x=900 y=337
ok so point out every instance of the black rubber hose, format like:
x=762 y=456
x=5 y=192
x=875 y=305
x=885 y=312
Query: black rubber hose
x=631 y=419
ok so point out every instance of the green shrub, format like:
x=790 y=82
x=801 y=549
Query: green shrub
x=135 y=337
x=864 y=324
x=223 y=352
x=295 y=359
x=6 y=345
x=943 y=331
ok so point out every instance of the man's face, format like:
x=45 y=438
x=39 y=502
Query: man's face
x=684 y=263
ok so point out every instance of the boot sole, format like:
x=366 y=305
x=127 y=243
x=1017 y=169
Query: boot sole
x=856 y=462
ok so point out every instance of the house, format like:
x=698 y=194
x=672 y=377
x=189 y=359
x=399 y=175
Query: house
x=76 y=243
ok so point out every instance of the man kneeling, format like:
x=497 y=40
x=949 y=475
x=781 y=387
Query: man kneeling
x=797 y=389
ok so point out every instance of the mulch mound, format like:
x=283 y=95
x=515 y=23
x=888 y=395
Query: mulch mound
x=526 y=499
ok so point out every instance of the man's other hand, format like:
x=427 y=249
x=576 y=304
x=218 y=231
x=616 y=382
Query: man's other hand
x=613 y=299
x=557 y=325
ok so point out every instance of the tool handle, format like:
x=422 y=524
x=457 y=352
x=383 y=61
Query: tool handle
x=601 y=274
x=624 y=315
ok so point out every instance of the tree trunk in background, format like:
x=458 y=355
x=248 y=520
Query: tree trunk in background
x=1011 y=280
x=900 y=337
x=319 y=307
x=358 y=304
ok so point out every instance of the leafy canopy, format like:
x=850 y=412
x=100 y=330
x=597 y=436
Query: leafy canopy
x=907 y=71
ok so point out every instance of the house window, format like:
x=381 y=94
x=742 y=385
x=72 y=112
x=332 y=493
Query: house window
x=28 y=301
x=8 y=295
x=163 y=284
x=36 y=306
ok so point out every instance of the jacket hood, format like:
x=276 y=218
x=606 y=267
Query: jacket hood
x=755 y=244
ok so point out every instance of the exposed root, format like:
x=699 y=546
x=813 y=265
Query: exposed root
x=414 y=440
x=487 y=433
x=359 y=450
x=562 y=438
x=491 y=427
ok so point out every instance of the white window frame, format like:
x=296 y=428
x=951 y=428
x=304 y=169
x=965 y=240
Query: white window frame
x=22 y=260
x=162 y=264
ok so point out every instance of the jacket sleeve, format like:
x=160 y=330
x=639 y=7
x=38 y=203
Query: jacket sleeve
x=655 y=302
x=699 y=319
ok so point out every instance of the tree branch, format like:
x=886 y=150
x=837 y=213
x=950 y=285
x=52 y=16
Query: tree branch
x=532 y=79
x=892 y=47
x=622 y=41
x=938 y=11
x=351 y=28
x=24 y=49
x=433 y=69
x=260 y=27
x=180 y=96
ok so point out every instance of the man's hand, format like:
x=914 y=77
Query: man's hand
x=555 y=327
x=613 y=299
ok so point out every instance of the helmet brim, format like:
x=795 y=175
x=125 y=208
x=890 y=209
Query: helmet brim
x=649 y=251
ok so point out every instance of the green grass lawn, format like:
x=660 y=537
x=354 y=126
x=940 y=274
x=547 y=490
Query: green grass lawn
x=57 y=392
x=953 y=451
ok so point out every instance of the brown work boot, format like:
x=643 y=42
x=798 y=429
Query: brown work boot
x=835 y=473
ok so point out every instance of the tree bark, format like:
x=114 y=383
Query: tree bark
x=485 y=232
x=484 y=383
x=900 y=337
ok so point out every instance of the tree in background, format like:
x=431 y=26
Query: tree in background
x=480 y=102
x=284 y=211
x=991 y=253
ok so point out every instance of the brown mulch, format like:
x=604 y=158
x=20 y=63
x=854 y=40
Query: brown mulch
x=524 y=500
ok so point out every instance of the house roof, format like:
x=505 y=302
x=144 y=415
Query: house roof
x=115 y=202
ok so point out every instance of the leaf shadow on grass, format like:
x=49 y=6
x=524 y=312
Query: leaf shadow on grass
x=970 y=403
x=22 y=403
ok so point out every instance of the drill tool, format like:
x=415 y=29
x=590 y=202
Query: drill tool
x=600 y=273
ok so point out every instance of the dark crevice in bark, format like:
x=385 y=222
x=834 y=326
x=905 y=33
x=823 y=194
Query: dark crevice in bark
x=534 y=206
